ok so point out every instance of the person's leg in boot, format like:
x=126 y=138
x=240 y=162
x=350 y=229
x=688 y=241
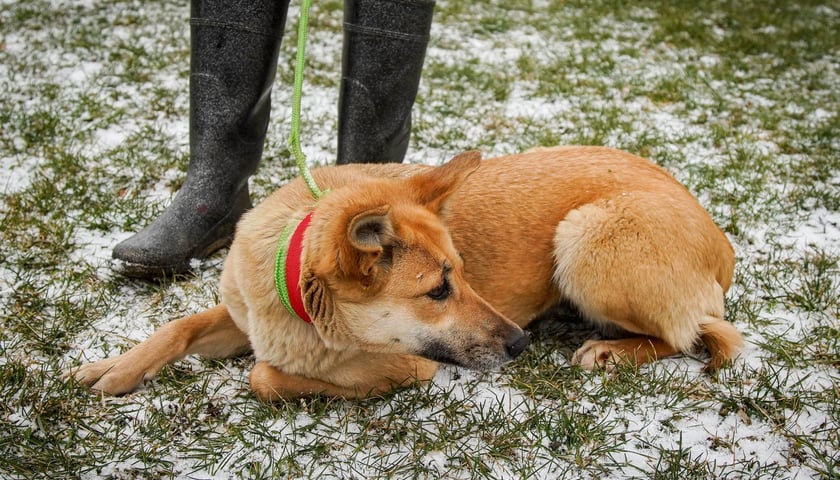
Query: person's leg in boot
x=233 y=59
x=384 y=48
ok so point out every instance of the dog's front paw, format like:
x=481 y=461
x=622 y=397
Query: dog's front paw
x=113 y=376
x=596 y=354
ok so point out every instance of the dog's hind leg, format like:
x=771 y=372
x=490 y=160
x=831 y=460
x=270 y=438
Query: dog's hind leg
x=210 y=333
x=633 y=350
x=630 y=262
x=722 y=340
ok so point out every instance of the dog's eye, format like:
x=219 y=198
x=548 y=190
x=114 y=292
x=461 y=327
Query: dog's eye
x=441 y=292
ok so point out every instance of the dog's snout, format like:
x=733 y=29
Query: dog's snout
x=517 y=344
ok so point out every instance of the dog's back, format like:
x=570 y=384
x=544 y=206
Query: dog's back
x=608 y=231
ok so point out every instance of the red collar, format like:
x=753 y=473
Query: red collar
x=287 y=269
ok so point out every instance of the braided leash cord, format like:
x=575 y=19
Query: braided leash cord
x=294 y=138
x=294 y=143
x=280 y=266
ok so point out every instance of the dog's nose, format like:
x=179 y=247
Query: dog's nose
x=517 y=346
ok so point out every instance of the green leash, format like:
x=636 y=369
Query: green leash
x=280 y=266
x=294 y=138
x=280 y=261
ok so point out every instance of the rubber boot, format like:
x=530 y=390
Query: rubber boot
x=233 y=60
x=384 y=48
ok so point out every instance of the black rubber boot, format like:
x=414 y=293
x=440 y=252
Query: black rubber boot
x=384 y=48
x=233 y=59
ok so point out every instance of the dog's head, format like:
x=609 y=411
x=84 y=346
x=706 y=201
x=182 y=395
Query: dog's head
x=382 y=274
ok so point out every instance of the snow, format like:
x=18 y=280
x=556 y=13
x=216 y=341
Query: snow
x=819 y=229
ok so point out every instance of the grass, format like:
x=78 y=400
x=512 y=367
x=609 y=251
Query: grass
x=738 y=100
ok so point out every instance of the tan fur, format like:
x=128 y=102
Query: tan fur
x=610 y=232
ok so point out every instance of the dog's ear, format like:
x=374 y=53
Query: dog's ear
x=434 y=187
x=321 y=307
x=318 y=300
x=370 y=234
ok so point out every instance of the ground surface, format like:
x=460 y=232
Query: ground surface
x=738 y=101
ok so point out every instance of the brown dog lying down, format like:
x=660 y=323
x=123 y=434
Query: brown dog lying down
x=404 y=266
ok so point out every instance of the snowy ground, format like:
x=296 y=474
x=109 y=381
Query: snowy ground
x=742 y=107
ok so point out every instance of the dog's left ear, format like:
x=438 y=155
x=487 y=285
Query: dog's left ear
x=321 y=308
x=318 y=300
x=434 y=187
x=369 y=235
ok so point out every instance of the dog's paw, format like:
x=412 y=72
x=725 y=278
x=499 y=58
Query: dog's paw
x=597 y=354
x=113 y=376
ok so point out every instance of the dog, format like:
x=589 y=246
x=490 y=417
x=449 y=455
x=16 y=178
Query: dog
x=401 y=267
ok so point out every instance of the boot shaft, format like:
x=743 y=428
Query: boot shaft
x=233 y=61
x=384 y=49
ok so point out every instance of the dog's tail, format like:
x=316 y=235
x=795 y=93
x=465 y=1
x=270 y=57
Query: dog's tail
x=722 y=340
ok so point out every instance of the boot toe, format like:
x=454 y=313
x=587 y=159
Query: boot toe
x=137 y=258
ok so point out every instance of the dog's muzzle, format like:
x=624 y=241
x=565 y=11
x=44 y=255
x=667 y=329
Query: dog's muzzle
x=478 y=355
